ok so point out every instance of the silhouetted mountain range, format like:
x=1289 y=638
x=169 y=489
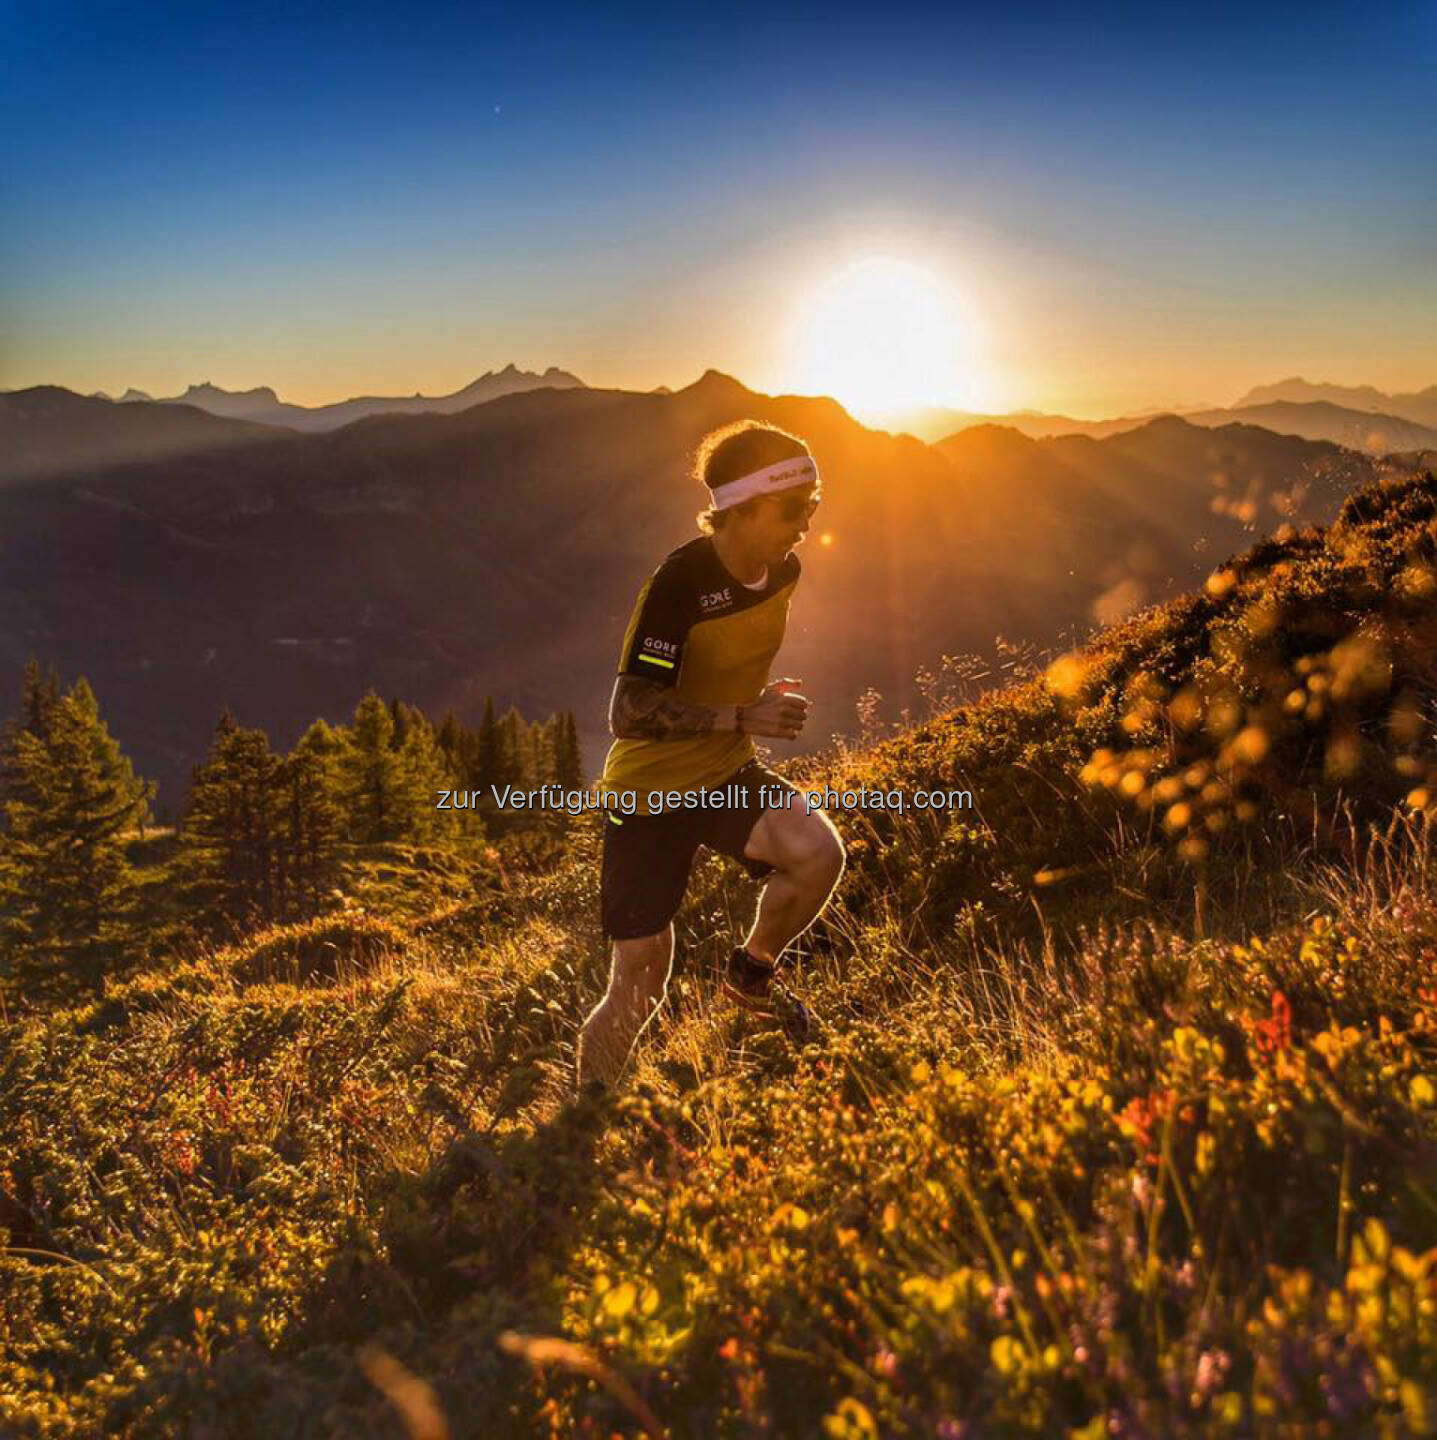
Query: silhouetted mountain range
x=498 y=550
x=47 y=430
x=1373 y=432
x=1358 y=416
x=264 y=406
x=1418 y=406
x=934 y=423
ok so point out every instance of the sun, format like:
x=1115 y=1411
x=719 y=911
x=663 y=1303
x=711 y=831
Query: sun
x=883 y=335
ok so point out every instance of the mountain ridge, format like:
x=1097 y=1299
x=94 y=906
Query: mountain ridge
x=262 y=404
x=48 y=430
x=1375 y=433
x=497 y=551
x=1419 y=406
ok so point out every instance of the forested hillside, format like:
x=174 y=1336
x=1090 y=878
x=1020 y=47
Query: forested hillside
x=354 y=818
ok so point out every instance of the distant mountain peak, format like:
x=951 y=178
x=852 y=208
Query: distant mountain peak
x=262 y=404
x=990 y=448
x=559 y=378
x=207 y=390
x=1418 y=407
x=991 y=433
x=716 y=382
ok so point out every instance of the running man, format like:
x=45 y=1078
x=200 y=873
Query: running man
x=693 y=688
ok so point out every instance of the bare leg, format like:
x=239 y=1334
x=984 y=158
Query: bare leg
x=637 y=980
x=808 y=859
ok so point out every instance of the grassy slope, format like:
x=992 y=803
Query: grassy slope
x=1127 y=1124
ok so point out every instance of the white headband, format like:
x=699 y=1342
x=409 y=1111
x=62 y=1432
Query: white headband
x=786 y=475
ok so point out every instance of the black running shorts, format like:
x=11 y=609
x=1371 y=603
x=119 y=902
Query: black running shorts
x=647 y=858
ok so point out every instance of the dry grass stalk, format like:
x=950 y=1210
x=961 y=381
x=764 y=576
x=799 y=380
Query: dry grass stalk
x=412 y=1397
x=540 y=1350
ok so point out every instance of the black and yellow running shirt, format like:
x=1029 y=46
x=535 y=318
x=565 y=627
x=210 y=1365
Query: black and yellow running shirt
x=711 y=639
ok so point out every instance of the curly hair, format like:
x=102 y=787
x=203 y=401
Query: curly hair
x=739 y=449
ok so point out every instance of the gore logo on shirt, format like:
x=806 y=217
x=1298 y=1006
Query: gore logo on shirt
x=716 y=599
x=660 y=647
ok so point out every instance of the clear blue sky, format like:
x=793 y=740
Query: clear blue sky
x=1137 y=205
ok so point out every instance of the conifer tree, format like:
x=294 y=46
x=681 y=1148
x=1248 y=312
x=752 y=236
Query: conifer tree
x=39 y=697
x=576 y=750
x=310 y=821
x=232 y=832
x=515 y=755
x=568 y=758
x=423 y=773
x=401 y=714
x=466 y=763
x=369 y=773
x=540 y=749
x=450 y=737
x=69 y=796
x=490 y=758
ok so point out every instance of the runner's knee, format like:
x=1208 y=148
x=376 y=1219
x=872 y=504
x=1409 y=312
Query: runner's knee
x=816 y=852
x=806 y=848
x=826 y=861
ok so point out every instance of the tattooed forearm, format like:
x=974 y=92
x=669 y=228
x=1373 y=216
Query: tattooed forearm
x=641 y=710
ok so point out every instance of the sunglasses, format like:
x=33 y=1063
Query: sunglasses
x=797 y=505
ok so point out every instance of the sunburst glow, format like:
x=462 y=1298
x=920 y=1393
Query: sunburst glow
x=883 y=335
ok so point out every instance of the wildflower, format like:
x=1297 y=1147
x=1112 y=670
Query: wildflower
x=1139 y=1116
x=1212 y=1368
x=1275 y=1034
x=885 y=1363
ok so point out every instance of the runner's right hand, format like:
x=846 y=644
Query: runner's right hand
x=779 y=712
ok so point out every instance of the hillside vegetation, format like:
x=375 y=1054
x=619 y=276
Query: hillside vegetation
x=1126 y=1121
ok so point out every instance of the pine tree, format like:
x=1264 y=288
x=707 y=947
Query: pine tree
x=575 y=750
x=369 y=775
x=39 y=698
x=515 y=755
x=490 y=759
x=451 y=740
x=69 y=796
x=310 y=821
x=541 y=752
x=232 y=830
x=466 y=765
x=568 y=758
x=402 y=715
x=423 y=773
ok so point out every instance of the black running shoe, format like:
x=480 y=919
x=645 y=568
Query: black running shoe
x=758 y=989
